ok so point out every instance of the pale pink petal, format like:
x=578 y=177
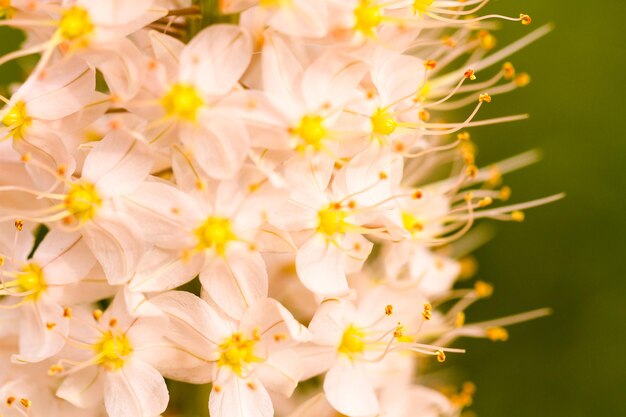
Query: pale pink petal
x=237 y=281
x=43 y=330
x=117 y=242
x=238 y=397
x=303 y=18
x=137 y=389
x=115 y=12
x=83 y=388
x=118 y=164
x=167 y=51
x=319 y=264
x=315 y=359
x=161 y=270
x=64 y=257
x=235 y=6
x=280 y=373
x=347 y=389
x=216 y=58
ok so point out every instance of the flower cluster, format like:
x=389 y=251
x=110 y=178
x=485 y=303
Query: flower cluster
x=274 y=201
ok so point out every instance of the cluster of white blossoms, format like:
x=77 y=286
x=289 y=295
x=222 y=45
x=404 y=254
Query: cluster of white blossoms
x=303 y=167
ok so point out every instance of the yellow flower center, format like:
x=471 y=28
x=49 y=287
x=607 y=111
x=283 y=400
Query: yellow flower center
x=112 y=350
x=237 y=352
x=383 y=123
x=6 y=11
x=332 y=220
x=31 y=279
x=422 y=5
x=182 y=101
x=411 y=223
x=215 y=233
x=82 y=201
x=352 y=342
x=312 y=131
x=368 y=16
x=17 y=119
x=75 y=24
x=274 y=3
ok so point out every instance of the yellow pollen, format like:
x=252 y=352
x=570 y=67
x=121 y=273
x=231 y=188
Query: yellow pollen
x=312 y=131
x=411 y=223
x=182 y=101
x=422 y=5
x=237 y=352
x=75 y=24
x=518 y=216
x=332 y=220
x=113 y=350
x=215 y=233
x=352 y=342
x=17 y=119
x=274 y=3
x=497 y=334
x=31 y=279
x=367 y=17
x=487 y=40
x=483 y=289
x=6 y=11
x=441 y=356
x=82 y=201
x=383 y=123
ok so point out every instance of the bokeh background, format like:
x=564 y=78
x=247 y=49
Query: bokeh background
x=571 y=255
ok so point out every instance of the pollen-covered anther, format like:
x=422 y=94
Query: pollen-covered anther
x=217 y=388
x=483 y=289
x=525 y=19
x=497 y=334
x=459 y=320
x=382 y=175
x=279 y=337
x=26 y=403
x=67 y=312
x=430 y=64
x=97 y=314
x=26 y=157
x=55 y=369
x=19 y=225
x=441 y=356
x=464 y=136
x=505 y=193
x=508 y=71
x=484 y=98
x=522 y=80
x=417 y=195
x=518 y=216
x=471 y=171
x=470 y=75
x=10 y=400
x=469 y=196
x=484 y=202
x=424 y=115
x=251 y=386
x=427 y=313
x=399 y=331
x=113 y=322
x=487 y=40
x=50 y=325
x=388 y=310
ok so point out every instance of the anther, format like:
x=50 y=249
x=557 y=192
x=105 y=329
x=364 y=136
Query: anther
x=469 y=74
x=19 y=225
x=508 y=70
x=26 y=402
x=251 y=386
x=526 y=20
x=417 y=195
x=459 y=320
x=424 y=115
x=10 y=401
x=217 y=388
x=522 y=80
x=430 y=64
x=463 y=136
x=113 y=322
x=382 y=175
x=505 y=193
x=483 y=289
x=97 y=314
x=67 y=313
x=518 y=216
x=55 y=369
x=389 y=310
x=427 y=314
x=441 y=356
x=50 y=325
x=497 y=334
x=399 y=331
x=487 y=201
x=484 y=98
x=471 y=171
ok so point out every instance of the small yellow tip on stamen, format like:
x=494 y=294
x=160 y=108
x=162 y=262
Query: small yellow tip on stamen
x=424 y=115
x=10 y=401
x=55 y=369
x=464 y=136
x=526 y=20
x=487 y=201
x=427 y=314
x=459 y=320
x=468 y=196
x=97 y=314
x=522 y=80
x=26 y=157
x=389 y=310
x=508 y=70
x=113 y=322
x=483 y=289
x=484 y=98
x=417 y=195
x=251 y=386
x=505 y=193
x=441 y=356
x=487 y=40
x=382 y=175
x=50 y=325
x=497 y=334
x=518 y=216
x=279 y=337
x=430 y=64
x=471 y=171
x=217 y=388
x=26 y=402
x=19 y=225
x=470 y=75
x=399 y=331
x=67 y=313
x=1 y=261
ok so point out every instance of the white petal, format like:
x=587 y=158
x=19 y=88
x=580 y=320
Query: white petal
x=280 y=373
x=37 y=341
x=115 y=12
x=83 y=388
x=216 y=58
x=64 y=257
x=161 y=270
x=320 y=267
x=137 y=389
x=348 y=390
x=238 y=397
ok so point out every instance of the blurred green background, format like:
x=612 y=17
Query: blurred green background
x=570 y=255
